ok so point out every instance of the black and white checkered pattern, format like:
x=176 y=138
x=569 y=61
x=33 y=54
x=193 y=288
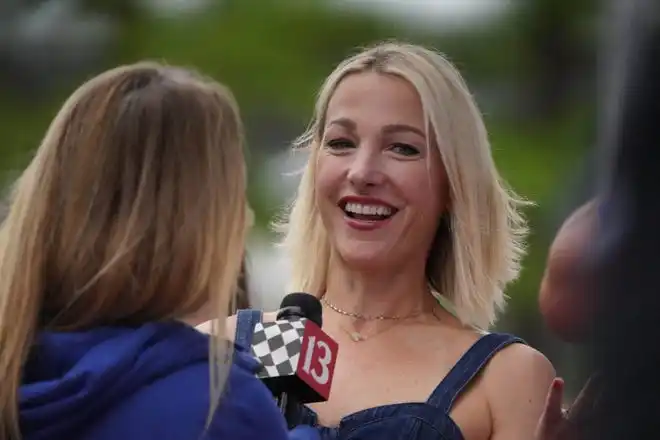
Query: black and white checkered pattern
x=277 y=346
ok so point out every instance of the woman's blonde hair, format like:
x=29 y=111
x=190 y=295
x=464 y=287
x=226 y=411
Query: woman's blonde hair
x=132 y=210
x=480 y=242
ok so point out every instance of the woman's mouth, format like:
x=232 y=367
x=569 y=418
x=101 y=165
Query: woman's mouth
x=368 y=212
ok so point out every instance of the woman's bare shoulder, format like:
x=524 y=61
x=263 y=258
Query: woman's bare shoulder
x=230 y=324
x=523 y=359
x=516 y=383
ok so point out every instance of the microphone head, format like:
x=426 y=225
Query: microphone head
x=308 y=305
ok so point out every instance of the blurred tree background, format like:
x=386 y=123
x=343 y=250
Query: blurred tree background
x=531 y=68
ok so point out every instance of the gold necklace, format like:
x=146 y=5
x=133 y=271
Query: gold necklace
x=357 y=336
x=367 y=317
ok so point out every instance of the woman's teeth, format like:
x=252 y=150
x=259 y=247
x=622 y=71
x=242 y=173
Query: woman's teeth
x=367 y=212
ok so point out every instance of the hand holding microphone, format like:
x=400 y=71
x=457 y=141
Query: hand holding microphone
x=297 y=357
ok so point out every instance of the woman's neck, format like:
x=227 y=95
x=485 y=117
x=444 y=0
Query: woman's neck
x=201 y=316
x=388 y=293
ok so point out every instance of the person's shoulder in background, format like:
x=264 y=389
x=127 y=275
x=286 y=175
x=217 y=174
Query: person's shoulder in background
x=151 y=381
x=174 y=402
x=566 y=296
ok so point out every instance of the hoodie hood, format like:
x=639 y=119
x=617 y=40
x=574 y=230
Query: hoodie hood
x=70 y=378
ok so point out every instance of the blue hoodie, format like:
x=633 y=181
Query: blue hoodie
x=149 y=382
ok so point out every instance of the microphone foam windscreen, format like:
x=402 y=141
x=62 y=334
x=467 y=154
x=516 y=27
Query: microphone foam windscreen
x=309 y=305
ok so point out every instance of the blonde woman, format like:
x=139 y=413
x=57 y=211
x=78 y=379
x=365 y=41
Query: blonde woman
x=405 y=231
x=125 y=229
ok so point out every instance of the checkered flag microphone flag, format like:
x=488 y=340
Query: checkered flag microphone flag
x=277 y=346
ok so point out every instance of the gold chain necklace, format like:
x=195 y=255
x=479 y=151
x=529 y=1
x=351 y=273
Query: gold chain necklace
x=357 y=336
x=367 y=317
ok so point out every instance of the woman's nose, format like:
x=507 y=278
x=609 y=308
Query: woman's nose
x=366 y=169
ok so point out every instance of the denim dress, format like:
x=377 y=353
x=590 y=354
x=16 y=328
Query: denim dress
x=399 y=421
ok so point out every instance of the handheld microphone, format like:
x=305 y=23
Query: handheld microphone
x=297 y=357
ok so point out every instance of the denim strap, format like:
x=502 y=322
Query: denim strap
x=245 y=321
x=467 y=368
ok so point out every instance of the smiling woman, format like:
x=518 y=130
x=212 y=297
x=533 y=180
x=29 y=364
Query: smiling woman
x=404 y=229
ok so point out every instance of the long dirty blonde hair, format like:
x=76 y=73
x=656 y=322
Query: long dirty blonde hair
x=478 y=248
x=132 y=210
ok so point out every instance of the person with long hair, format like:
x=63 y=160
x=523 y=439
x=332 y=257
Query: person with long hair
x=404 y=229
x=126 y=229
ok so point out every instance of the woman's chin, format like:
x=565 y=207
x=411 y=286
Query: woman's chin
x=365 y=259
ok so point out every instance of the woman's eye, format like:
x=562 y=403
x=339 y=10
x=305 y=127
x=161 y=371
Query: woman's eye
x=405 y=150
x=339 y=144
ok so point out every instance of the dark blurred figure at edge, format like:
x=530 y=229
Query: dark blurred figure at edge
x=621 y=401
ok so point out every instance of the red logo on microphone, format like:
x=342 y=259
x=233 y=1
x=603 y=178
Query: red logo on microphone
x=316 y=364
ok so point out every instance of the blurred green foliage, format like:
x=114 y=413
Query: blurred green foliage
x=273 y=54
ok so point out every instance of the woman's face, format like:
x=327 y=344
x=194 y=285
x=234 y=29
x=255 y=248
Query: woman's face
x=380 y=190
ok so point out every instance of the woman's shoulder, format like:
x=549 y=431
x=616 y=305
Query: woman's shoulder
x=511 y=360
x=516 y=383
x=179 y=405
x=519 y=359
x=500 y=354
x=231 y=322
x=501 y=351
